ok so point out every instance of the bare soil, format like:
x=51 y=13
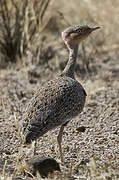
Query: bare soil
x=100 y=117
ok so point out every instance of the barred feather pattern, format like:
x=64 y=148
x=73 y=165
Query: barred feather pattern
x=56 y=103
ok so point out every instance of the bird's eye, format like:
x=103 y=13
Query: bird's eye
x=78 y=30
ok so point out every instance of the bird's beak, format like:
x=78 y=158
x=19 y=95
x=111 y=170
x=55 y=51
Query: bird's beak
x=95 y=28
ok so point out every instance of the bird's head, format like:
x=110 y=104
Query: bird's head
x=73 y=35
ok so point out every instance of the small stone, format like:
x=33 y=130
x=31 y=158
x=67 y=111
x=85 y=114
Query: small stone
x=43 y=165
x=32 y=81
x=81 y=129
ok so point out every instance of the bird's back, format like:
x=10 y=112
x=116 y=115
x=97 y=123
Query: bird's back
x=55 y=103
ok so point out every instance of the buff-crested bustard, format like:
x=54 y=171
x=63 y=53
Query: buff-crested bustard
x=60 y=99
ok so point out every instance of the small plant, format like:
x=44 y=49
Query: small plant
x=19 y=22
x=11 y=29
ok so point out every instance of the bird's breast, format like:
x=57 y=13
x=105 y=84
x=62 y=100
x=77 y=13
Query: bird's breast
x=57 y=102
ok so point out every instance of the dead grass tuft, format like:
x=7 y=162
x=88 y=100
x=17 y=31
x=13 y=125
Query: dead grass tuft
x=21 y=32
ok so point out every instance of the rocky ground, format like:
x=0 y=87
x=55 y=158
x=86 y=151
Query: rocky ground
x=94 y=134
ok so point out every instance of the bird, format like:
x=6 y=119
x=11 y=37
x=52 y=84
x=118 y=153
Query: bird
x=60 y=99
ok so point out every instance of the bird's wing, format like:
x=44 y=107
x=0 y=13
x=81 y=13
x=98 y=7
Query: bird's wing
x=44 y=101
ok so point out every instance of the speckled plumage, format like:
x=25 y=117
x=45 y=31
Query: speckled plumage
x=60 y=99
x=57 y=102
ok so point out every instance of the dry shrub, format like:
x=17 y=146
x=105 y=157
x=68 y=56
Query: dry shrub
x=21 y=23
x=27 y=27
x=12 y=20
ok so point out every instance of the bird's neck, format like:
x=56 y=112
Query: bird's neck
x=70 y=67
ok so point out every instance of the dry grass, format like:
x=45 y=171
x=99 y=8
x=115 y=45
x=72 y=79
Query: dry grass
x=31 y=32
x=93 y=170
x=21 y=32
x=32 y=36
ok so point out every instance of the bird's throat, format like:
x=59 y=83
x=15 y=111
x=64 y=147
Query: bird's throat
x=70 y=66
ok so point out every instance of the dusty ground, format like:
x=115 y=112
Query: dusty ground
x=89 y=155
x=100 y=118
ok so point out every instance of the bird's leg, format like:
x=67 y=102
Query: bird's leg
x=34 y=148
x=59 y=140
